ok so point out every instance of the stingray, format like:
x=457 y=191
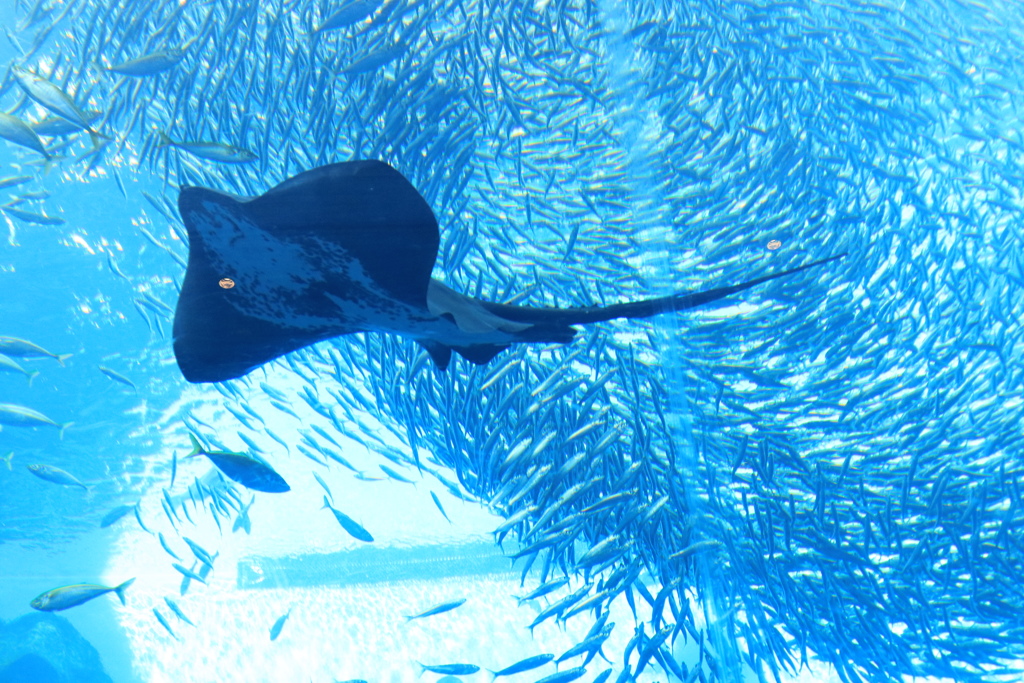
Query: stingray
x=344 y=248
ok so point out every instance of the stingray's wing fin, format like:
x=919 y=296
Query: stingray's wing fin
x=372 y=212
x=334 y=250
x=480 y=354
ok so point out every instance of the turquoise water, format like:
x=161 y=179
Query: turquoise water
x=813 y=479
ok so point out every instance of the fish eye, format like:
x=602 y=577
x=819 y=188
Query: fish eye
x=226 y=283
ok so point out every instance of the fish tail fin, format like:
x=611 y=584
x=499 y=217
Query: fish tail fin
x=63 y=357
x=122 y=588
x=7 y=459
x=326 y=504
x=196 y=447
x=63 y=427
x=95 y=137
x=165 y=139
x=46 y=163
x=494 y=675
x=31 y=376
x=50 y=161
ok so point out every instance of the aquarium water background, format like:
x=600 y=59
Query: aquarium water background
x=818 y=479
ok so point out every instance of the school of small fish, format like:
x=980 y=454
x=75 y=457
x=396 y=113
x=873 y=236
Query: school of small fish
x=830 y=470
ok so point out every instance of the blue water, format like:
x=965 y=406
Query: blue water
x=817 y=479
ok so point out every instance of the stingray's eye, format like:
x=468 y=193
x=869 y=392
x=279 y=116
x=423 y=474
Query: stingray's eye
x=226 y=283
x=774 y=244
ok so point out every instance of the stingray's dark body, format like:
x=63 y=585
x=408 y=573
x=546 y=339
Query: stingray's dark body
x=283 y=250
x=339 y=249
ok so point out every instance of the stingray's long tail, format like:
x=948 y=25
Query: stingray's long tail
x=636 y=309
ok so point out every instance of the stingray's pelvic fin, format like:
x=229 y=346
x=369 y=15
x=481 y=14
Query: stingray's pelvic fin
x=479 y=354
x=439 y=353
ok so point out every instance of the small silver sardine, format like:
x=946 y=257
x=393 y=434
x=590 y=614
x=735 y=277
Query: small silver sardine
x=348 y=14
x=14 y=181
x=55 y=126
x=163 y=622
x=212 y=151
x=31 y=216
x=177 y=610
x=118 y=377
x=437 y=609
x=115 y=514
x=150 y=64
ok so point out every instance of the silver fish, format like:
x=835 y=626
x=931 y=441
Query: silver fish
x=211 y=151
x=55 y=475
x=117 y=377
x=31 y=216
x=22 y=348
x=66 y=597
x=114 y=515
x=275 y=630
x=49 y=96
x=8 y=365
x=17 y=131
x=56 y=126
x=163 y=622
x=349 y=524
x=177 y=610
x=437 y=609
x=350 y=13
x=20 y=416
x=149 y=65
